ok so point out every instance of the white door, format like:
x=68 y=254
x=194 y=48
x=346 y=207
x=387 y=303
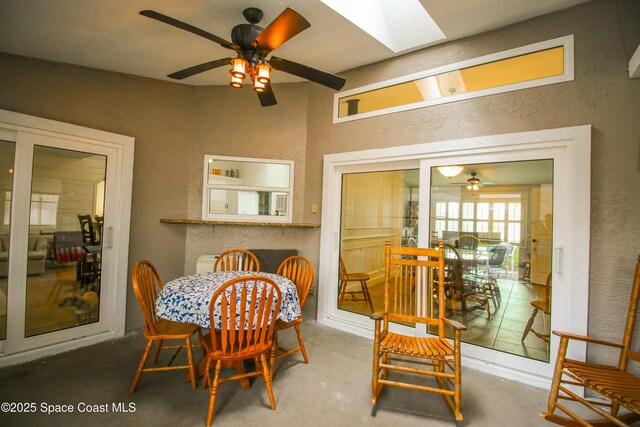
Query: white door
x=62 y=277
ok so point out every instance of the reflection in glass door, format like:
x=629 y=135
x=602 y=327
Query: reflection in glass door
x=375 y=207
x=65 y=240
x=7 y=156
x=495 y=220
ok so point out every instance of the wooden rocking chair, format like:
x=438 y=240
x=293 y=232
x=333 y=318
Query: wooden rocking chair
x=403 y=268
x=615 y=383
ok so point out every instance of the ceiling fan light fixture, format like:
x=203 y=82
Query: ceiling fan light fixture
x=239 y=66
x=235 y=81
x=450 y=171
x=264 y=73
x=258 y=86
x=473 y=183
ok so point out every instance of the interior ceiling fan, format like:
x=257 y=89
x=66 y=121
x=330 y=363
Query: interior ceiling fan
x=252 y=45
x=474 y=182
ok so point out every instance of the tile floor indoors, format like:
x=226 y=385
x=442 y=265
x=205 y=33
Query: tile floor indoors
x=333 y=389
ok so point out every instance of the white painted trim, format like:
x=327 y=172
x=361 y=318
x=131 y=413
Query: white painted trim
x=634 y=65
x=570 y=146
x=31 y=129
x=568 y=75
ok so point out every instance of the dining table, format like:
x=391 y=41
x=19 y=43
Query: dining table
x=186 y=299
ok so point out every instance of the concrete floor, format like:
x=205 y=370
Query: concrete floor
x=333 y=389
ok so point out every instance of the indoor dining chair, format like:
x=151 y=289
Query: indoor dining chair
x=146 y=285
x=543 y=305
x=406 y=269
x=247 y=308
x=359 y=277
x=299 y=270
x=236 y=260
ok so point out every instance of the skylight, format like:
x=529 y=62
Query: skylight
x=398 y=24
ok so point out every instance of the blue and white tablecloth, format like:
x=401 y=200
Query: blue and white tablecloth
x=186 y=299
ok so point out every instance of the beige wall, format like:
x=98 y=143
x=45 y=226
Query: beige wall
x=155 y=113
x=175 y=125
x=606 y=35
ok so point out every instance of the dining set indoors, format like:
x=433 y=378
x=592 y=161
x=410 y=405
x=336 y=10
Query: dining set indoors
x=315 y=212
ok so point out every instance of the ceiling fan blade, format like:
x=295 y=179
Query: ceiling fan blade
x=321 y=77
x=190 y=28
x=288 y=24
x=267 y=98
x=197 y=69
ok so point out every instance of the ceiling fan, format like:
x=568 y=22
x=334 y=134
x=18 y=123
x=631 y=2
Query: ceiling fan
x=474 y=182
x=252 y=45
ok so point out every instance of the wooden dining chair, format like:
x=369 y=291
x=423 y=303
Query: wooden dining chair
x=299 y=270
x=346 y=278
x=543 y=305
x=612 y=386
x=404 y=268
x=146 y=285
x=247 y=308
x=236 y=260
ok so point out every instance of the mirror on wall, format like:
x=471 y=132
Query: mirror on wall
x=247 y=190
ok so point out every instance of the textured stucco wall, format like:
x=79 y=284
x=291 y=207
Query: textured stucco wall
x=606 y=35
x=155 y=113
x=231 y=122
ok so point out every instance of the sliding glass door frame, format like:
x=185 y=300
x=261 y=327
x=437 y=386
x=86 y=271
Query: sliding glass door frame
x=568 y=147
x=28 y=132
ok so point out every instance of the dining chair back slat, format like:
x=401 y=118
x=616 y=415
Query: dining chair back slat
x=237 y=260
x=248 y=314
x=299 y=270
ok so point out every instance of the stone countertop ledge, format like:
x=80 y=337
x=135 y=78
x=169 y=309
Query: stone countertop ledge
x=259 y=224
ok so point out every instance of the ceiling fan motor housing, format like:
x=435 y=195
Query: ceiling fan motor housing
x=243 y=35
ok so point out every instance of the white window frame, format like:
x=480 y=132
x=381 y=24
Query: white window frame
x=566 y=42
x=206 y=186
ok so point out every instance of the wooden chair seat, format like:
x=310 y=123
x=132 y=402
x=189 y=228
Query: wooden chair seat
x=609 y=381
x=415 y=346
x=233 y=352
x=353 y=277
x=166 y=329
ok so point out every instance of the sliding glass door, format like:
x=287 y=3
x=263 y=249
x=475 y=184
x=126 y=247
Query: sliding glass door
x=508 y=254
x=61 y=260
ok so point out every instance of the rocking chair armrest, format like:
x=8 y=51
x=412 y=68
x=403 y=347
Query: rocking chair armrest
x=455 y=325
x=586 y=339
x=378 y=315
